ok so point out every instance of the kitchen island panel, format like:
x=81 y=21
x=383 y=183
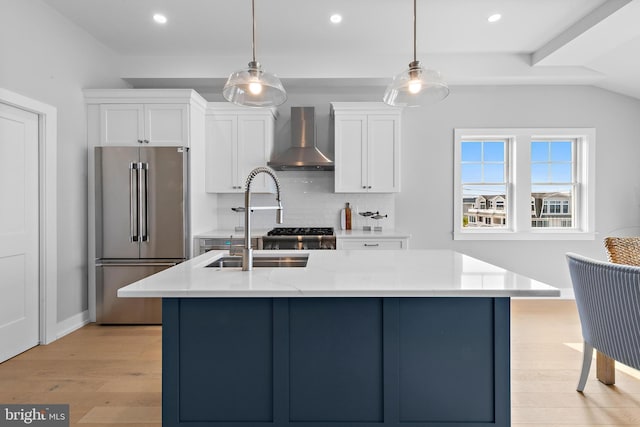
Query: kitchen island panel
x=447 y=350
x=335 y=362
x=302 y=362
x=226 y=360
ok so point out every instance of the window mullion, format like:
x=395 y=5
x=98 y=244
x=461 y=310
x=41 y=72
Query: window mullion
x=521 y=162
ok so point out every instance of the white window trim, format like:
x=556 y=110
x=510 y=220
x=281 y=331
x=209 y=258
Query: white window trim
x=519 y=173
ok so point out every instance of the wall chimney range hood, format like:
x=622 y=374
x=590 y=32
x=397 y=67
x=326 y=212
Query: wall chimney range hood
x=303 y=153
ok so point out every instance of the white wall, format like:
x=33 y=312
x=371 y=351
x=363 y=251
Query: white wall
x=425 y=205
x=47 y=58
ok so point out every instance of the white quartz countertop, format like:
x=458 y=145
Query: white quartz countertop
x=349 y=273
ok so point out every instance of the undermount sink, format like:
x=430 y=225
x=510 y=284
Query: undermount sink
x=263 y=261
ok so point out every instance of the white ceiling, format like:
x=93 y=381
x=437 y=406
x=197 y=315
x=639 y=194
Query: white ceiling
x=592 y=42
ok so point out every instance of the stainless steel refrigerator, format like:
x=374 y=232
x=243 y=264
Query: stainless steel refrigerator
x=142 y=227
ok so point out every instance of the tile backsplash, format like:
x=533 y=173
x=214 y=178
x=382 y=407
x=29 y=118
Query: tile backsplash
x=309 y=201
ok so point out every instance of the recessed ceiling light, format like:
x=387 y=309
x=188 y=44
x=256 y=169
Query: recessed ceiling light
x=159 y=18
x=336 y=18
x=494 y=18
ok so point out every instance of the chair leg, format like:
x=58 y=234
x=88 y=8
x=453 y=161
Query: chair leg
x=605 y=369
x=587 y=354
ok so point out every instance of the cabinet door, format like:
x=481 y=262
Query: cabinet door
x=166 y=124
x=255 y=146
x=351 y=154
x=383 y=154
x=153 y=124
x=121 y=124
x=221 y=142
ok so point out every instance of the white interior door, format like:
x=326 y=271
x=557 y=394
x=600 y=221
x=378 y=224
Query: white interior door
x=18 y=231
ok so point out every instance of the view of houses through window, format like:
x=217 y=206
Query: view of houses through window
x=485 y=189
x=552 y=183
x=484 y=183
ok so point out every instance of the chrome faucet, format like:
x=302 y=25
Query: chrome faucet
x=247 y=251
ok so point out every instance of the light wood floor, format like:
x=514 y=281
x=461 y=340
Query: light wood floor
x=111 y=376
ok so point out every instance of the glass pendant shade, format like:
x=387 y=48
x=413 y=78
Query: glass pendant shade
x=416 y=86
x=254 y=87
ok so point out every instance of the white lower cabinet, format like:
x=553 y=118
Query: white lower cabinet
x=372 y=243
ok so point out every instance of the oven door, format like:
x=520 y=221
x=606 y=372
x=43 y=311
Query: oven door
x=298 y=242
x=232 y=244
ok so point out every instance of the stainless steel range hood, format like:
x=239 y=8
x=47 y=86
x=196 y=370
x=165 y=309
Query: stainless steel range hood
x=303 y=153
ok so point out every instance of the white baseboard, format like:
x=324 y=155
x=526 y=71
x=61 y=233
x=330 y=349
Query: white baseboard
x=72 y=323
x=565 y=293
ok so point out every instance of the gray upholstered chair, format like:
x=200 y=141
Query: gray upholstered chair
x=608 y=300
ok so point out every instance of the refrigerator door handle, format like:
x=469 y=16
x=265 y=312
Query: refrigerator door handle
x=133 y=202
x=143 y=188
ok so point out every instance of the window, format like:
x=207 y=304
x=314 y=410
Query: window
x=553 y=182
x=524 y=184
x=483 y=177
x=555 y=207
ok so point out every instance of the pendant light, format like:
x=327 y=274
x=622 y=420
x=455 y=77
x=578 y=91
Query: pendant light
x=252 y=86
x=417 y=85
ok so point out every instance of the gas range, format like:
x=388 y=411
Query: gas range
x=301 y=231
x=300 y=238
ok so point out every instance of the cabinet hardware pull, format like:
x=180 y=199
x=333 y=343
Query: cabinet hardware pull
x=139 y=141
x=372 y=244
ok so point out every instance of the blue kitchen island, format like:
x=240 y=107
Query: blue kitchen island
x=355 y=338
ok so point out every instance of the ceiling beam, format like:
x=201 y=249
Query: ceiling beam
x=612 y=23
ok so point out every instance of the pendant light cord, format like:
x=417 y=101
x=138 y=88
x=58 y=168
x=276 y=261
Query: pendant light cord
x=253 y=40
x=414 y=30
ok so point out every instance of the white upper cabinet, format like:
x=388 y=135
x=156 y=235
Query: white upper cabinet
x=141 y=116
x=121 y=124
x=237 y=140
x=153 y=124
x=367 y=147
